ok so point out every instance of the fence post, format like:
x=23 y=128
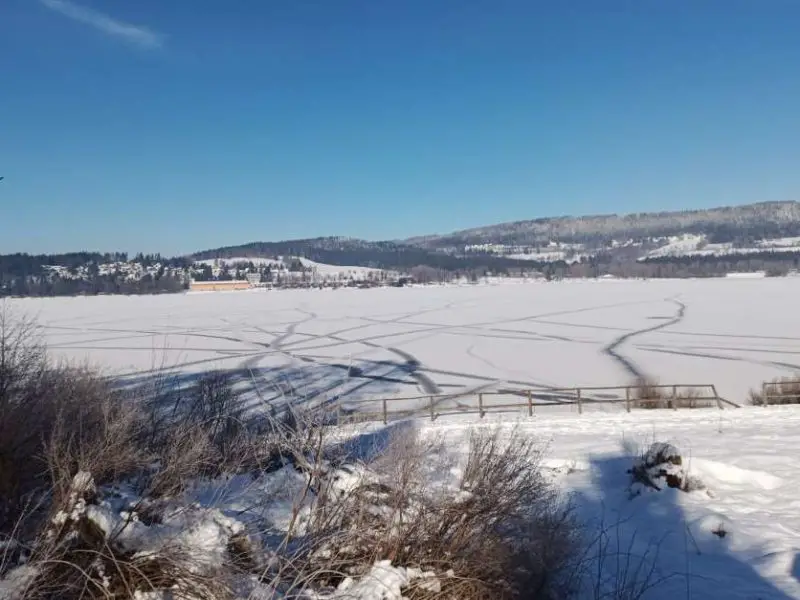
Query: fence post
x=432 y=415
x=385 y=412
x=628 y=398
x=480 y=404
x=530 y=403
x=580 y=406
x=675 y=397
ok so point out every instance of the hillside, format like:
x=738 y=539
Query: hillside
x=342 y=251
x=723 y=224
x=763 y=236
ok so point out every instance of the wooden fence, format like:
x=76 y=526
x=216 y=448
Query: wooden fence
x=527 y=401
x=782 y=391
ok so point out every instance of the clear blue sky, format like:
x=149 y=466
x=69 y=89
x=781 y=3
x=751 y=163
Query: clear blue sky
x=178 y=125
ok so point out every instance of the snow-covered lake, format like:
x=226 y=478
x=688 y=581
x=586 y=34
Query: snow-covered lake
x=734 y=333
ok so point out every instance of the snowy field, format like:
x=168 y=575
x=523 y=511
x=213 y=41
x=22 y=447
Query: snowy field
x=734 y=333
x=746 y=458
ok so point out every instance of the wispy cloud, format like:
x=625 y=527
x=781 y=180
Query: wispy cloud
x=135 y=34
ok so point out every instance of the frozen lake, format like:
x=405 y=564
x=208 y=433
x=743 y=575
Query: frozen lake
x=734 y=333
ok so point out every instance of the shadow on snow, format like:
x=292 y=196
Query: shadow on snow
x=652 y=532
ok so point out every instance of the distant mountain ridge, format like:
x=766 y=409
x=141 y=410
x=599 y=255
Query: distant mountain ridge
x=723 y=238
x=775 y=218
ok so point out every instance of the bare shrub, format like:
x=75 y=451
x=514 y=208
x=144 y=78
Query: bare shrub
x=649 y=394
x=199 y=432
x=500 y=532
x=55 y=421
x=93 y=430
x=23 y=370
x=756 y=398
x=23 y=358
x=212 y=403
x=185 y=452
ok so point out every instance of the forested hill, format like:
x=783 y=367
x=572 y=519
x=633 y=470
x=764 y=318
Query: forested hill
x=353 y=252
x=724 y=224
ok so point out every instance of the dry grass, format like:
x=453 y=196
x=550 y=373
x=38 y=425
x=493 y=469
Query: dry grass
x=500 y=533
x=647 y=393
x=781 y=390
x=54 y=421
x=57 y=422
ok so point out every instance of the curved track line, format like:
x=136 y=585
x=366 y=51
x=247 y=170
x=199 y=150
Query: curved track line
x=627 y=363
x=765 y=363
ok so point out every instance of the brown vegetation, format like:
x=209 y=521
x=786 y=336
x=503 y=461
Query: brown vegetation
x=781 y=390
x=499 y=532
x=647 y=393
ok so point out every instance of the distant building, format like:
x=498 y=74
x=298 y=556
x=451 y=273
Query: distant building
x=254 y=278
x=219 y=286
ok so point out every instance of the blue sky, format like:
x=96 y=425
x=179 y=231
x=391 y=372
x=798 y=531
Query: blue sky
x=180 y=125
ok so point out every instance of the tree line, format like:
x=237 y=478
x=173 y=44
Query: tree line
x=102 y=284
x=32 y=275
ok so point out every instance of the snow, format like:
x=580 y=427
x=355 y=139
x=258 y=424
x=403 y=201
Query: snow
x=331 y=270
x=211 y=262
x=552 y=256
x=16 y=581
x=410 y=342
x=681 y=245
x=201 y=535
x=781 y=242
x=698 y=245
x=383 y=582
x=321 y=269
x=739 y=538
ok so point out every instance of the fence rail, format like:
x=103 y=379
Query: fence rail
x=667 y=396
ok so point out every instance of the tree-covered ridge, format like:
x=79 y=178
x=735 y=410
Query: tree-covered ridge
x=360 y=253
x=729 y=223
